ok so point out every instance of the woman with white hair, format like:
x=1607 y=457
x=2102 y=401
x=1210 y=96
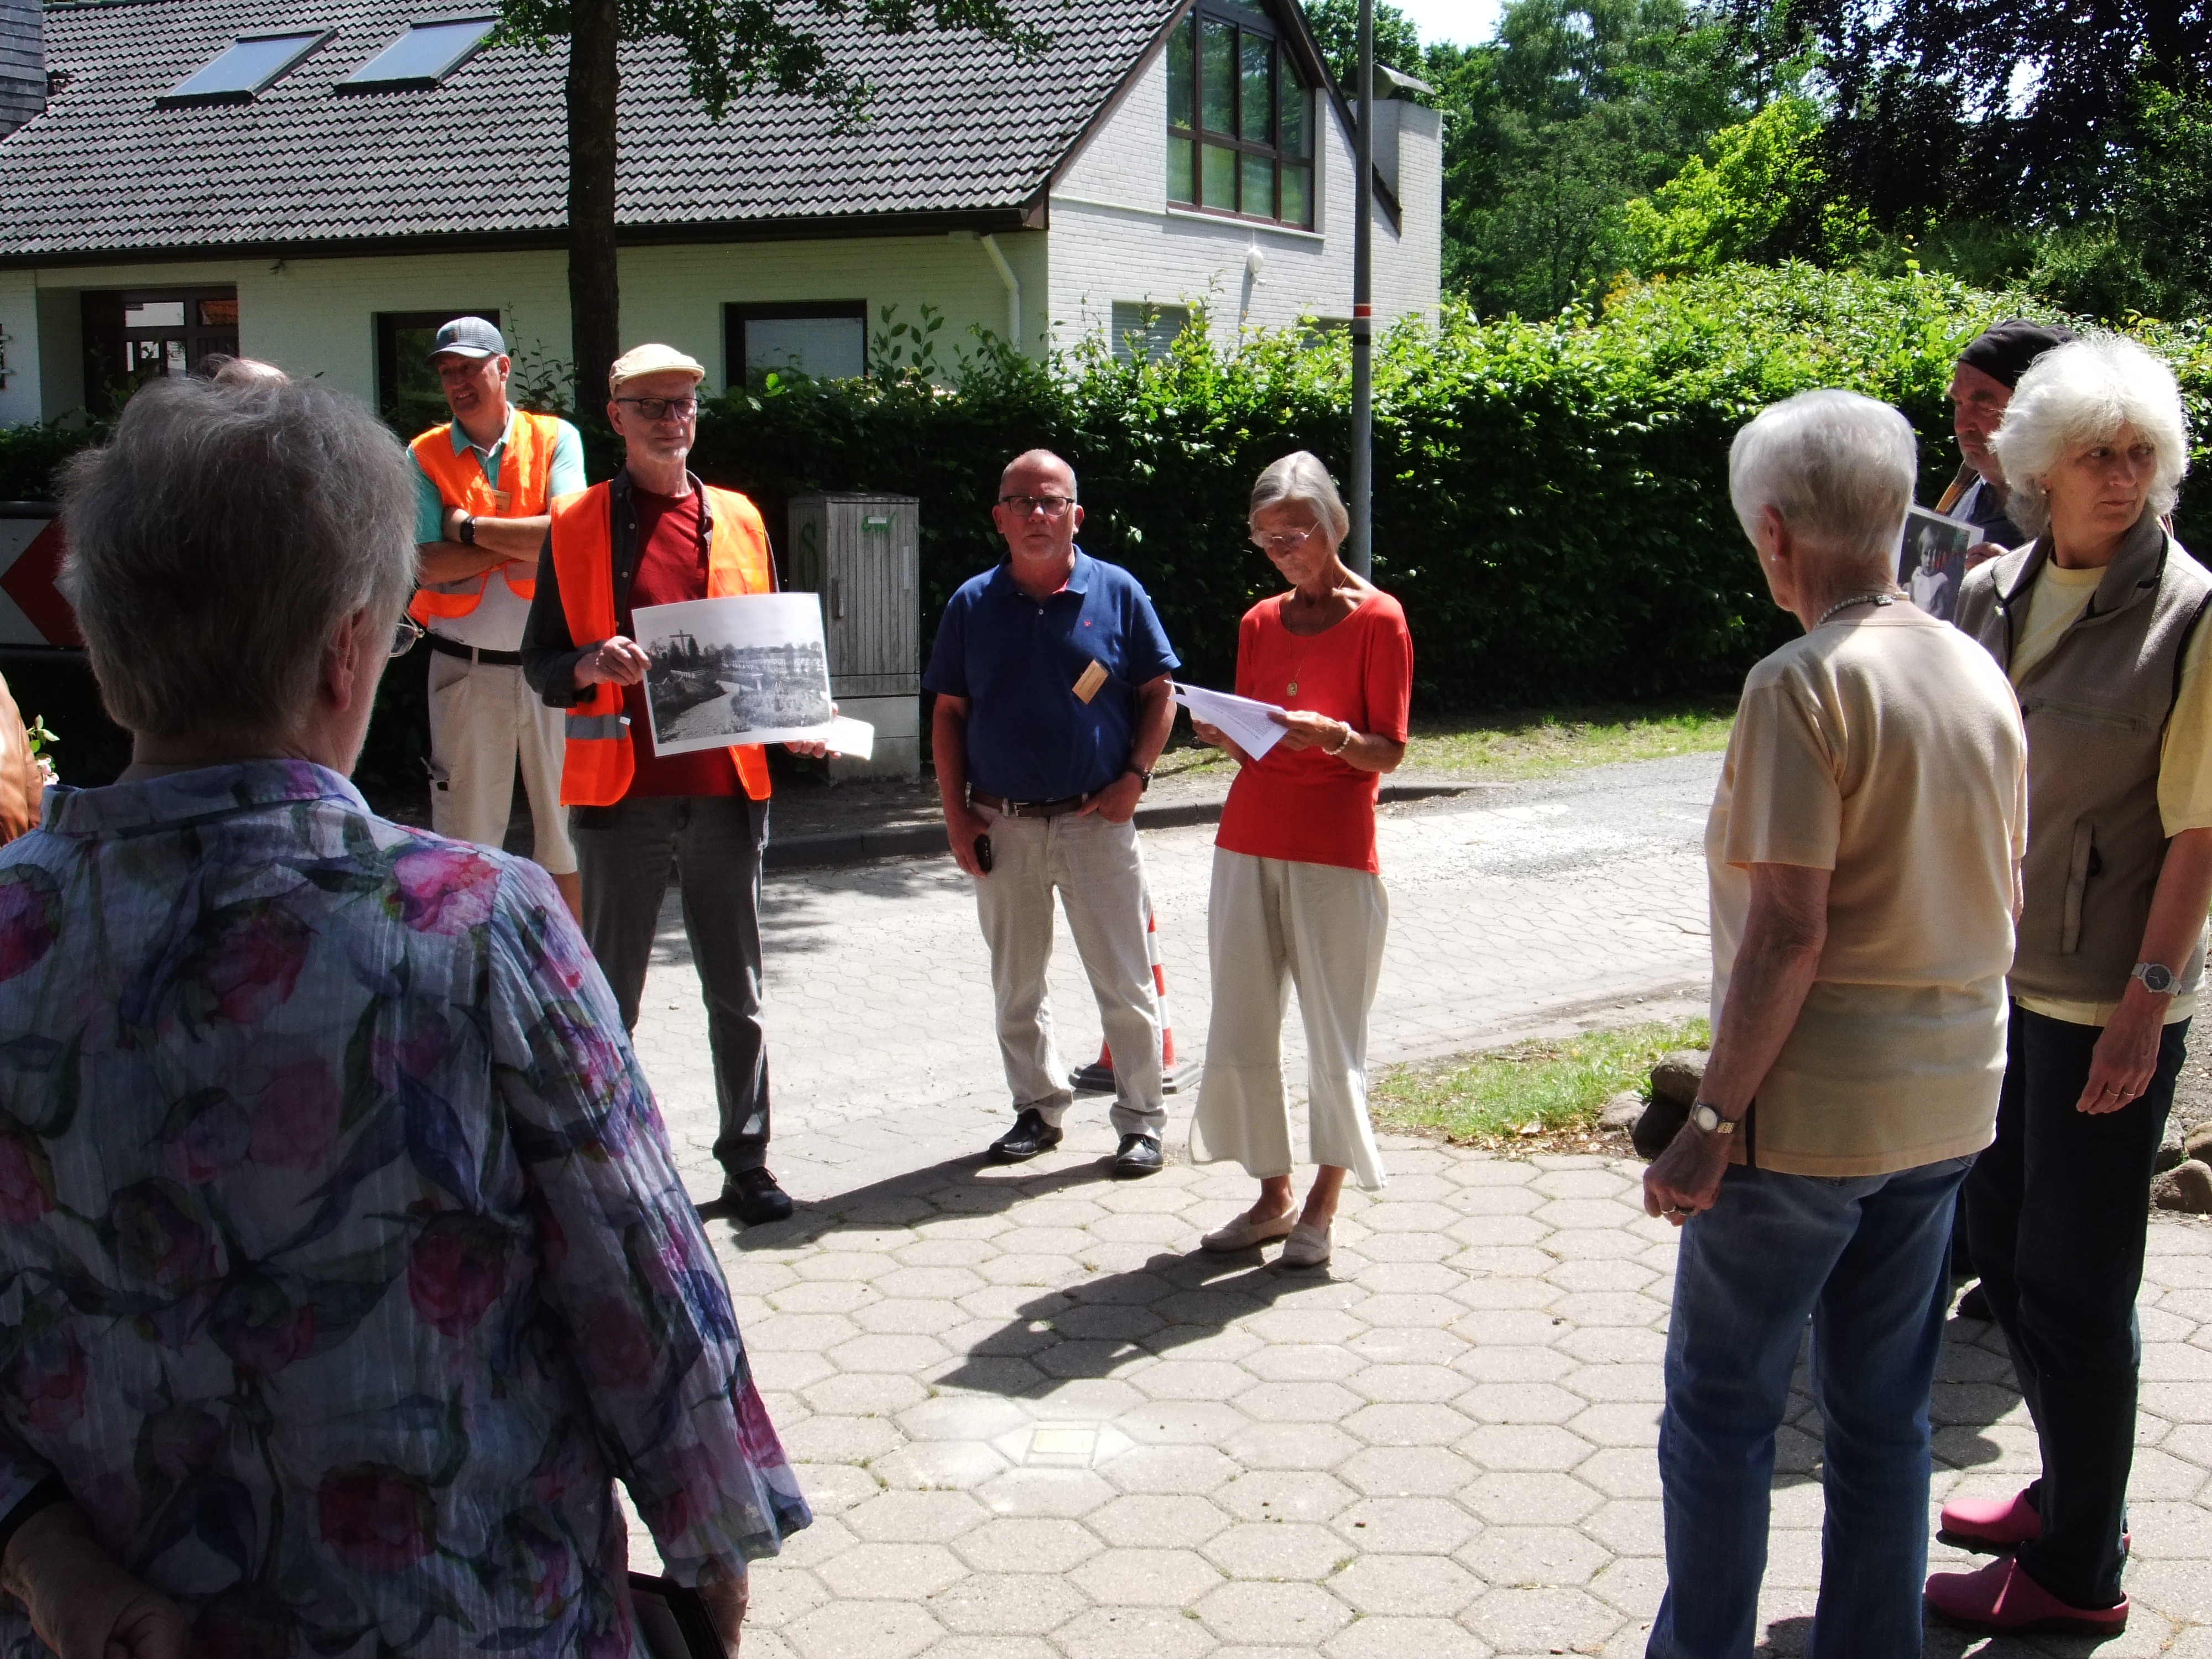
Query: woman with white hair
x=345 y=1265
x=1298 y=893
x=1862 y=851
x=2099 y=622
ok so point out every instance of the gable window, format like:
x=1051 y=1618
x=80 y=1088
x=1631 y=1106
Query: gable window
x=1240 y=119
x=408 y=393
x=134 y=337
x=827 y=339
x=422 y=56
x=244 y=69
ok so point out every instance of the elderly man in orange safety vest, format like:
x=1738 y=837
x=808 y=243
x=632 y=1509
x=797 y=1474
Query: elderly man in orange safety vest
x=654 y=535
x=482 y=482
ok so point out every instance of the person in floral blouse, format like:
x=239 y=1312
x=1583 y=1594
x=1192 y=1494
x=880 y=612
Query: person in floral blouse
x=343 y=1265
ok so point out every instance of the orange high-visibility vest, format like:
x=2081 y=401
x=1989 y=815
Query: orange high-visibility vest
x=524 y=465
x=599 y=763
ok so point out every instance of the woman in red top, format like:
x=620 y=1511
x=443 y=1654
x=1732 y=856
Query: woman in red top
x=1297 y=891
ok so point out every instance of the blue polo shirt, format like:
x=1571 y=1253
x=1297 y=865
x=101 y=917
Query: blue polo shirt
x=1029 y=738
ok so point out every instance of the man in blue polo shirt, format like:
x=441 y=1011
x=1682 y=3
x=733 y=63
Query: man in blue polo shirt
x=1053 y=703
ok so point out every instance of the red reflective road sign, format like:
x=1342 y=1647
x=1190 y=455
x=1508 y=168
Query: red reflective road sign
x=32 y=609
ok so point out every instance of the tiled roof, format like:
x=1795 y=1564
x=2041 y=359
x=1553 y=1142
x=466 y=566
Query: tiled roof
x=959 y=125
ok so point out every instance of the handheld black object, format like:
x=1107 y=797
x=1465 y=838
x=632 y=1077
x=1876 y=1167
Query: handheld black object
x=673 y=1620
x=983 y=853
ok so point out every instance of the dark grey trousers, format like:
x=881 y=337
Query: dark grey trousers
x=626 y=853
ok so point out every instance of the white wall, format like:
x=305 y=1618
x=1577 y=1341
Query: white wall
x=1114 y=236
x=19 y=346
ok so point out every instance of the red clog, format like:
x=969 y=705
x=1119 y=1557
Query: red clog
x=2002 y=1600
x=1991 y=1523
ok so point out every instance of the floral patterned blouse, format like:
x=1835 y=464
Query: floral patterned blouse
x=343 y=1265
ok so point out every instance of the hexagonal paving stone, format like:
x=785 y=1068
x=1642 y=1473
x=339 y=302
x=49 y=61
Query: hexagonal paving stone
x=1301 y=1362
x=1125 y=1632
x=1290 y=1446
x=962 y=1417
x=1147 y=1577
x=1009 y=1604
x=1271 y=1549
x=1523 y=1446
x=887 y=1353
x=1519 y=1402
x=1027 y=1544
x=839 y=1439
x=1170 y=1469
x=1406 y=1526
x=864 y=1629
x=891 y=1572
x=1193 y=1379
x=865 y=1393
x=1534 y=1555
x=1260 y=1614
x=938 y=1465
x=1541 y=1621
x=1407 y=1585
x=1158 y=1522
x=1505 y=1500
x=1283 y=1495
x=1406 y=1472
x=1069 y=1493
x=1403 y=1638
x=916 y=1517
x=1406 y=1384
x=1417 y=1425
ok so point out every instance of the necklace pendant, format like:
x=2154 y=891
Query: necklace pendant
x=1294 y=688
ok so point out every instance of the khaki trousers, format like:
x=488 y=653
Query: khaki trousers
x=1099 y=874
x=1271 y=923
x=483 y=719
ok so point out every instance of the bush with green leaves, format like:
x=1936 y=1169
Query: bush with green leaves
x=1551 y=497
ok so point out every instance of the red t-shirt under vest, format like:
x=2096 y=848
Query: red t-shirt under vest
x=671 y=567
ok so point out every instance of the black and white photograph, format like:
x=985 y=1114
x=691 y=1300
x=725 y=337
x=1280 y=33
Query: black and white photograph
x=748 y=668
x=1933 y=561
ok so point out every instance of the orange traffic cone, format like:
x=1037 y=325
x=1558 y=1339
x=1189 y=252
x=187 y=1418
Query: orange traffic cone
x=1098 y=1078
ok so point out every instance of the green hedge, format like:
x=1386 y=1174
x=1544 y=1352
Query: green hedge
x=1551 y=501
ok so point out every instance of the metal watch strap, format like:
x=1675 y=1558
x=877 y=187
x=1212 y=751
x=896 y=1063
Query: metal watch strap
x=2157 y=978
x=1707 y=1116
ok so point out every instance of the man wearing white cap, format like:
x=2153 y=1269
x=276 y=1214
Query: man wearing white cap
x=482 y=484
x=654 y=534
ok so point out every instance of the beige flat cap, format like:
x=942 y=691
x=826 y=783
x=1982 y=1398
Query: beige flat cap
x=644 y=360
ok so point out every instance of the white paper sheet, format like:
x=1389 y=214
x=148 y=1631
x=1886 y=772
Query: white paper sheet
x=847 y=736
x=1240 y=717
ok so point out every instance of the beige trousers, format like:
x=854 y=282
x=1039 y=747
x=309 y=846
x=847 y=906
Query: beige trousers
x=483 y=719
x=1099 y=874
x=1271 y=924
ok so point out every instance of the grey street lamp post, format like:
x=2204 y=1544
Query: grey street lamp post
x=1361 y=549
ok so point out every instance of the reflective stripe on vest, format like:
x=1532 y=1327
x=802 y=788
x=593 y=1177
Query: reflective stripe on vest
x=525 y=467
x=599 y=763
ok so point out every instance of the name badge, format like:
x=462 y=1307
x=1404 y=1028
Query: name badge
x=500 y=500
x=1087 y=683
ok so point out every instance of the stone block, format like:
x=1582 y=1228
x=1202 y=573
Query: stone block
x=1678 y=1076
x=1622 y=1111
x=2187 y=1187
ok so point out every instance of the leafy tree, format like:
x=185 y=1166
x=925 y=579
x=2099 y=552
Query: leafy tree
x=1335 y=25
x=1764 y=195
x=729 y=46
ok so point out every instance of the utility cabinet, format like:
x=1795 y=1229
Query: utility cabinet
x=862 y=556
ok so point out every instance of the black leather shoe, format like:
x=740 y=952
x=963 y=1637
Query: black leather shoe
x=1031 y=1135
x=1138 y=1155
x=1975 y=1304
x=754 y=1198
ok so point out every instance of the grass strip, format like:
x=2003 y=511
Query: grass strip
x=1504 y=747
x=1538 y=1091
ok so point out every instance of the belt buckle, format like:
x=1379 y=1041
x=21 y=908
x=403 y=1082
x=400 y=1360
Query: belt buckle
x=1016 y=809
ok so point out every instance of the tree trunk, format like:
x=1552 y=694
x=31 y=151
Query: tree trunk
x=594 y=281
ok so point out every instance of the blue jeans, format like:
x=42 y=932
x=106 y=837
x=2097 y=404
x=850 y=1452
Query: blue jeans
x=1864 y=1258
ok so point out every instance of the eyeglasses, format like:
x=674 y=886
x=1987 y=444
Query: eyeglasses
x=404 y=635
x=1051 y=506
x=663 y=408
x=1290 y=543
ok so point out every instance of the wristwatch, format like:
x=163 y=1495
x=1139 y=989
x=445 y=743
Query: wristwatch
x=2157 y=978
x=1143 y=778
x=1708 y=1118
x=466 y=529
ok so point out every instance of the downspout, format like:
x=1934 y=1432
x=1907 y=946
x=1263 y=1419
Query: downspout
x=1013 y=291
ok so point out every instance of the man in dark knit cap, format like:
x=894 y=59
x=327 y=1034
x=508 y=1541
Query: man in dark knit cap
x=1981 y=383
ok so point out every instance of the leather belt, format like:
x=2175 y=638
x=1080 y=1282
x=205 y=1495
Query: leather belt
x=1026 y=808
x=474 y=653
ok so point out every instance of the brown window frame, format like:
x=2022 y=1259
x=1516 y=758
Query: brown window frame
x=1243 y=21
x=738 y=313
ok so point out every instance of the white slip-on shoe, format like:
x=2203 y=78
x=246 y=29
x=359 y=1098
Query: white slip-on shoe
x=1307 y=1247
x=1244 y=1233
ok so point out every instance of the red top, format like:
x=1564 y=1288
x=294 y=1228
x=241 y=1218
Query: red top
x=671 y=567
x=1307 y=807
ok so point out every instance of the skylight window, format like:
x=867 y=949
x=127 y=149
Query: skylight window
x=422 y=56
x=245 y=67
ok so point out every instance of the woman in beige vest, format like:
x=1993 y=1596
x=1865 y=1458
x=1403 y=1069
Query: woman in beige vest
x=2101 y=624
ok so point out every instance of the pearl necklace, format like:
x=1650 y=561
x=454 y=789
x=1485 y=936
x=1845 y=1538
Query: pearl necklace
x=1856 y=599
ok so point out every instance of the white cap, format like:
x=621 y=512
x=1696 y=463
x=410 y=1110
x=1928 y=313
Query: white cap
x=640 y=360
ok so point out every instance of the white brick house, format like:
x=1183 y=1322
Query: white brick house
x=178 y=197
